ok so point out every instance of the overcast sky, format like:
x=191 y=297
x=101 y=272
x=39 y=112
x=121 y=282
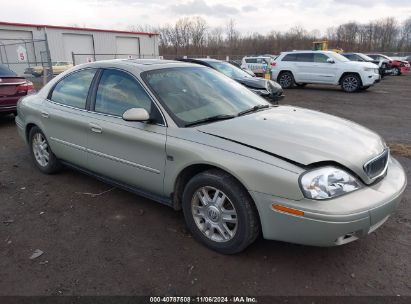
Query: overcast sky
x=250 y=16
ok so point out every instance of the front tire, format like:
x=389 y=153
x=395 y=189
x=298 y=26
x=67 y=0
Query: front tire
x=396 y=72
x=219 y=212
x=286 y=80
x=43 y=157
x=351 y=83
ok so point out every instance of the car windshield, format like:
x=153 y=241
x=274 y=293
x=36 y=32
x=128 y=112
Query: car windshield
x=191 y=94
x=365 y=57
x=340 y=57
x=228 y=69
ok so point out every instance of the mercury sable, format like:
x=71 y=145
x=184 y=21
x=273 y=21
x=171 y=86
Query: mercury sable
x=191 y=138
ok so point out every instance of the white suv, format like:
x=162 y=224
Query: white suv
x=325 y=67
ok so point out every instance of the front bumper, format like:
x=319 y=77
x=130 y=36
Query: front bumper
x=371 y=79
x=337 y=221
x=404 y=69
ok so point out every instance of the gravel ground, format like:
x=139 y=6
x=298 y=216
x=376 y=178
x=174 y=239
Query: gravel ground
x=116 y=243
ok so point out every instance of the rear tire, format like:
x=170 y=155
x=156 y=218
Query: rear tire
x=396 y=72
x=351 y=83
x=219 y=212
x=286 y=80
x=40 y=151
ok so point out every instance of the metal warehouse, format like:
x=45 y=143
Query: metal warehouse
x=25 y=45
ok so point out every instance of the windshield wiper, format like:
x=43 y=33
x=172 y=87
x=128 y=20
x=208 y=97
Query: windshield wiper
x=210 y=119
x=253 y=109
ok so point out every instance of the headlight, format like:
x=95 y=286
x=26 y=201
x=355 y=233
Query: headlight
x=369 y=69
x=327 y=182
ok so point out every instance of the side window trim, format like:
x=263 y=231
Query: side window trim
x=95 y=85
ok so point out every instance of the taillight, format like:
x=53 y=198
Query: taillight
x=273 y=64
x=27 y=87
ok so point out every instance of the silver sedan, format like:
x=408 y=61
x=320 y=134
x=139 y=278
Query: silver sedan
x=191 y=138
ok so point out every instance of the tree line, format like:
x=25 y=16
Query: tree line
x=193 y=36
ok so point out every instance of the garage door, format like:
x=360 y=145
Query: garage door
x=11 y=42
x=127 y=46
x=78 y=44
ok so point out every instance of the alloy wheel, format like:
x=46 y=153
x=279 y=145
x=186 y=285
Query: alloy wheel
x=41 y=150
x=285 y=80
x=214 y=214
x=350 y=84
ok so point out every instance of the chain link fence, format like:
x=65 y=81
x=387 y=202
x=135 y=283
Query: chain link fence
x=22 y=56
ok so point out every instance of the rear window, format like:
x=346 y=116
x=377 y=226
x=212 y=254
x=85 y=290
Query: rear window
x=73 y=89
x=290 y=57
x=6 y=72
x=251 y=60
x=305 y=57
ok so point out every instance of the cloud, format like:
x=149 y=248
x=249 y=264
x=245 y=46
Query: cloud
x=373 y=3
x=200 y=7
x=249 y=8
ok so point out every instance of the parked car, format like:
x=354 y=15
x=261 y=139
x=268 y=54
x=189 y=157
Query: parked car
x=57 y=67
x=383 y=66
x=12 y=88
x=398 y=66
x=324 y=67
x=268 y=89
x=238 y=65
x=191 y=138
x=257 y=64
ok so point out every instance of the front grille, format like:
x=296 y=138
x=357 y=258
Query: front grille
x=376 y=166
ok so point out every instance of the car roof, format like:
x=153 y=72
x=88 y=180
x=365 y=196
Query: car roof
x=6 y=72
x=307 y=51
x=199 y=59
x=139 y=64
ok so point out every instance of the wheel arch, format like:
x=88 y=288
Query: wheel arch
x=189 y=172
x=27 y=130
x=349 y=73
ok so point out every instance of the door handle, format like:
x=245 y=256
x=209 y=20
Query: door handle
x=95 y=128
x=45 y=114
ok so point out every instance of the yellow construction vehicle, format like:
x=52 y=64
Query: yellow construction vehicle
x=323 y=46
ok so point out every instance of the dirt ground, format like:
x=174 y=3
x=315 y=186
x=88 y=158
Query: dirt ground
x=116 y=243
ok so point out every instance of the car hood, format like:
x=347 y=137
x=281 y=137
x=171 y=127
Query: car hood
x=360 y=64
x=302 y=136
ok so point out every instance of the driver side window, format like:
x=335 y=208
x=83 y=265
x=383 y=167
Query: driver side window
x=117 y=92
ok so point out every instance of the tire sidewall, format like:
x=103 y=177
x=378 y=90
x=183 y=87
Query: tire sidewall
x=359 y=83
x=291 y=82
x=237 y=200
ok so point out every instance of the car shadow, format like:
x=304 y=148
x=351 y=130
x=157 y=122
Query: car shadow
x=7 y=120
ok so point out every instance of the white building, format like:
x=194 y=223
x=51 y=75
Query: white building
x=70 y=43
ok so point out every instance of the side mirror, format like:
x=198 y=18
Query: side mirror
x=330 y=60
x=136 y=114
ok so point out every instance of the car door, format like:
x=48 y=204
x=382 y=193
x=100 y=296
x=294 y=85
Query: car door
x=324 y=72
x=129 y=152
x=305 y=68
x=63 y=116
